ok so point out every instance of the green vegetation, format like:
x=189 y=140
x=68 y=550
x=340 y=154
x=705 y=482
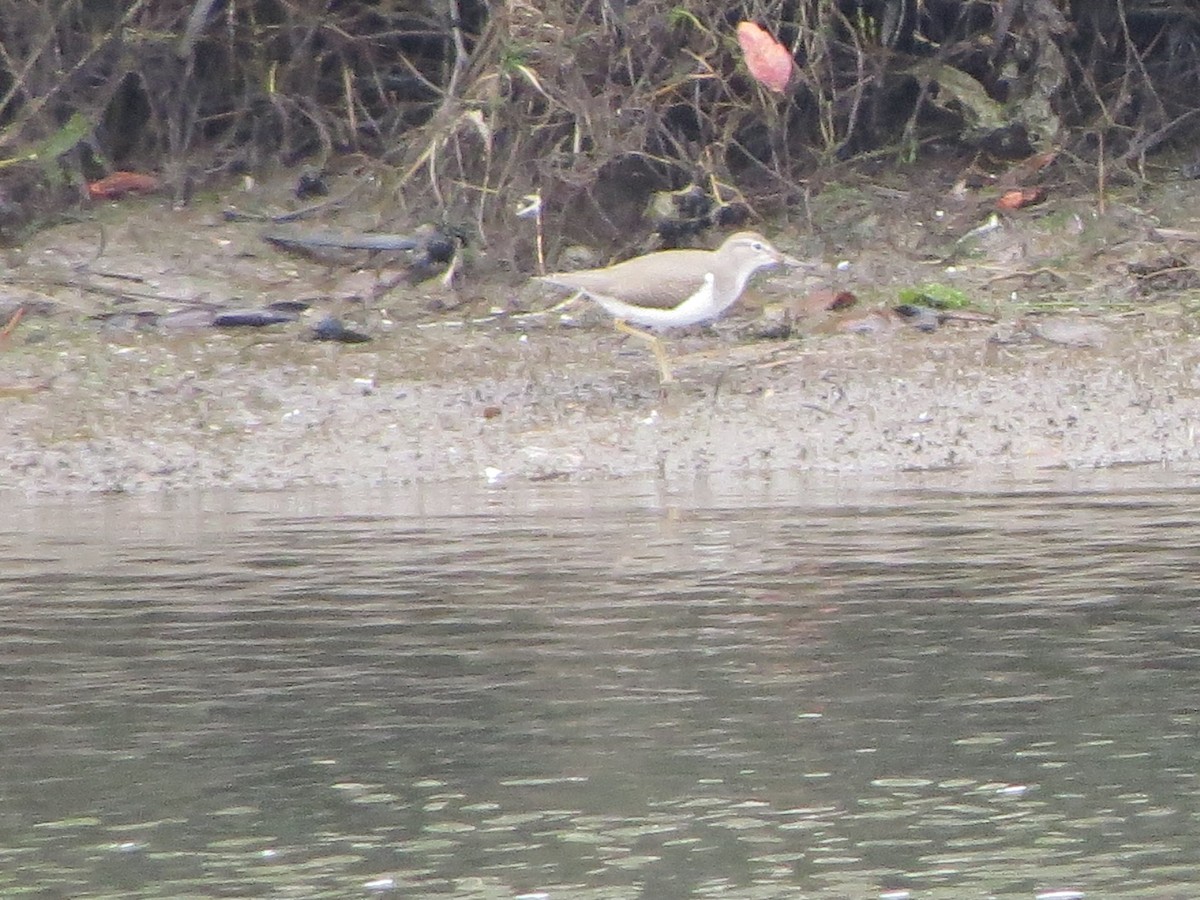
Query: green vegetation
x=937 y=296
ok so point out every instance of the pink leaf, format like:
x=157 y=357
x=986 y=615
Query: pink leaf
x=768 y=60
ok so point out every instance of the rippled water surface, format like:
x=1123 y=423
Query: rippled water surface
x=777 y=691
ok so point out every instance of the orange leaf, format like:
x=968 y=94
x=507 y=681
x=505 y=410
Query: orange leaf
x=768 y=60
x=1021 y=197
x=822 y=301
x=118 y=184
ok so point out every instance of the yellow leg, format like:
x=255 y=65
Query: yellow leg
x=664 y=367
x=575 y=296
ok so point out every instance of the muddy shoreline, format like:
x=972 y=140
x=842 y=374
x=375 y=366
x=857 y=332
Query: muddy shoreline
x=473 y=395
x=252 y=412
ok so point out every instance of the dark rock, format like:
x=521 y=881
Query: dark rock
x=252 y=318
x=331 y=328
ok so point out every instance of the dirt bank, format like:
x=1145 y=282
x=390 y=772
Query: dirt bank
x=122 y=404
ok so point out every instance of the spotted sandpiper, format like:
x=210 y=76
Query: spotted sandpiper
x=674 y=288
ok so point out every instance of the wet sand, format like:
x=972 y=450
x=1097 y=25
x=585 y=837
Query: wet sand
x=149 y=412
x=466 y=395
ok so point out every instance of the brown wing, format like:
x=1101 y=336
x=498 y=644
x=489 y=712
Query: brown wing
x=658 y=280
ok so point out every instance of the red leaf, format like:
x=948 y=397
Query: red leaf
x=118 y=184
x=1020 y=198
x=817 y=302
x=768 y=60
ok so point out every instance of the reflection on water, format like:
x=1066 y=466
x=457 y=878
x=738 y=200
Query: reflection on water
x=571 y=692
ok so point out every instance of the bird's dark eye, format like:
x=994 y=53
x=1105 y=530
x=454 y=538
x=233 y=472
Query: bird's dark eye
x=757 y=245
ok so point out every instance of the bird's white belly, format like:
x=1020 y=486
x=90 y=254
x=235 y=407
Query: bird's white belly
x=699 y=307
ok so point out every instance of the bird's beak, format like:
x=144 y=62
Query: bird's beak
x=792 y=263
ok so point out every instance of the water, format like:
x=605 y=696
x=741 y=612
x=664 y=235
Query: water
x=770 y=691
